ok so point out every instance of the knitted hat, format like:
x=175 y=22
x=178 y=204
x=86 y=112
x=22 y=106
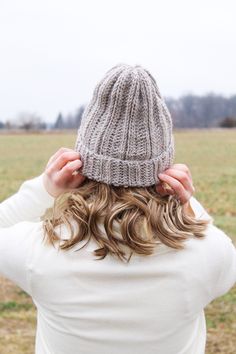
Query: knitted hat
x=125 y=137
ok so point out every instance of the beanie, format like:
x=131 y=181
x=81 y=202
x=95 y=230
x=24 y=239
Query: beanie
x=125 y=137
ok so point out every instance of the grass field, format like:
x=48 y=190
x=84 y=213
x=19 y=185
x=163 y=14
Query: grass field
x=211 y=156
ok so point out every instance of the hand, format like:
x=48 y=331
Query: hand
x=176 y=180
x=61 y=174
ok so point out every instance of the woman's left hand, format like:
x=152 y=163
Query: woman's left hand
x=176 y=180
x=61 y=174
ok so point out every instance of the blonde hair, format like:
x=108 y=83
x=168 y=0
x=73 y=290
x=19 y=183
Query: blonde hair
x=145 y=219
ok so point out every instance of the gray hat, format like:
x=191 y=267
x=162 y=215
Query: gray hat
x=125 y=137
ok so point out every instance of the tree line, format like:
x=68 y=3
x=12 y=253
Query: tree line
x=32 y=121
x=188 y=111
x=211 y=110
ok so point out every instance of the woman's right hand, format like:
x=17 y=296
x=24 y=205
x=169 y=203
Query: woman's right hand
x=176 y=180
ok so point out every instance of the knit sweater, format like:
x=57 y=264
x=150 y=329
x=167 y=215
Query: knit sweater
x=154 y=305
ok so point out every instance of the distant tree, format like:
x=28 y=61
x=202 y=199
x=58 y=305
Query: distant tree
x=42 y=126
x=71 y=120
x=228 y=122
x=8 y=125
x=78 y=116
x=59 y=123
x=28 y=121
x=2 y=125
x=231 y=105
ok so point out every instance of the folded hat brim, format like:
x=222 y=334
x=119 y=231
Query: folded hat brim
x=138 y=173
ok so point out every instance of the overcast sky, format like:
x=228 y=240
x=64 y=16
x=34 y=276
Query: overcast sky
x=53 y=52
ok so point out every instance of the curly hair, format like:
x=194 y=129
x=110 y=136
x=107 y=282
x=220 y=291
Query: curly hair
x=136 y=219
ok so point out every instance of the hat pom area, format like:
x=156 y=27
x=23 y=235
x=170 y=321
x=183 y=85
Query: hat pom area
x=125 y=137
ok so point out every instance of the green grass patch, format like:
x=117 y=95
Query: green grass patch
x=14 y=306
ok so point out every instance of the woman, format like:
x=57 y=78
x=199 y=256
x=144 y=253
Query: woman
x=119 y=264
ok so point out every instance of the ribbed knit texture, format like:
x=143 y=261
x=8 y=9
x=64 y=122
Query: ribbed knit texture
x=125 y=137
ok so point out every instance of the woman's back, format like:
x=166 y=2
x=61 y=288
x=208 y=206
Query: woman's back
x=151 y=305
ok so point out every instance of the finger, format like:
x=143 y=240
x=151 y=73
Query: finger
x=58 y=153
x=182 y=177
x=164 y=189
x=161 y=190
x=167 y=188
x=63 y=159
x=70 y=168
x=182 y=167
x=68 y=176
x=77 y=180
x=182 y=193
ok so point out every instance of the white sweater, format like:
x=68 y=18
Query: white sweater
x=153 y=305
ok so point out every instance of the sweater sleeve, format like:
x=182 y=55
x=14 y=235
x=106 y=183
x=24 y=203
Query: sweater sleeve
x=221 y=256
x=28 y=204
x=16 y=250
x=225 y=254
